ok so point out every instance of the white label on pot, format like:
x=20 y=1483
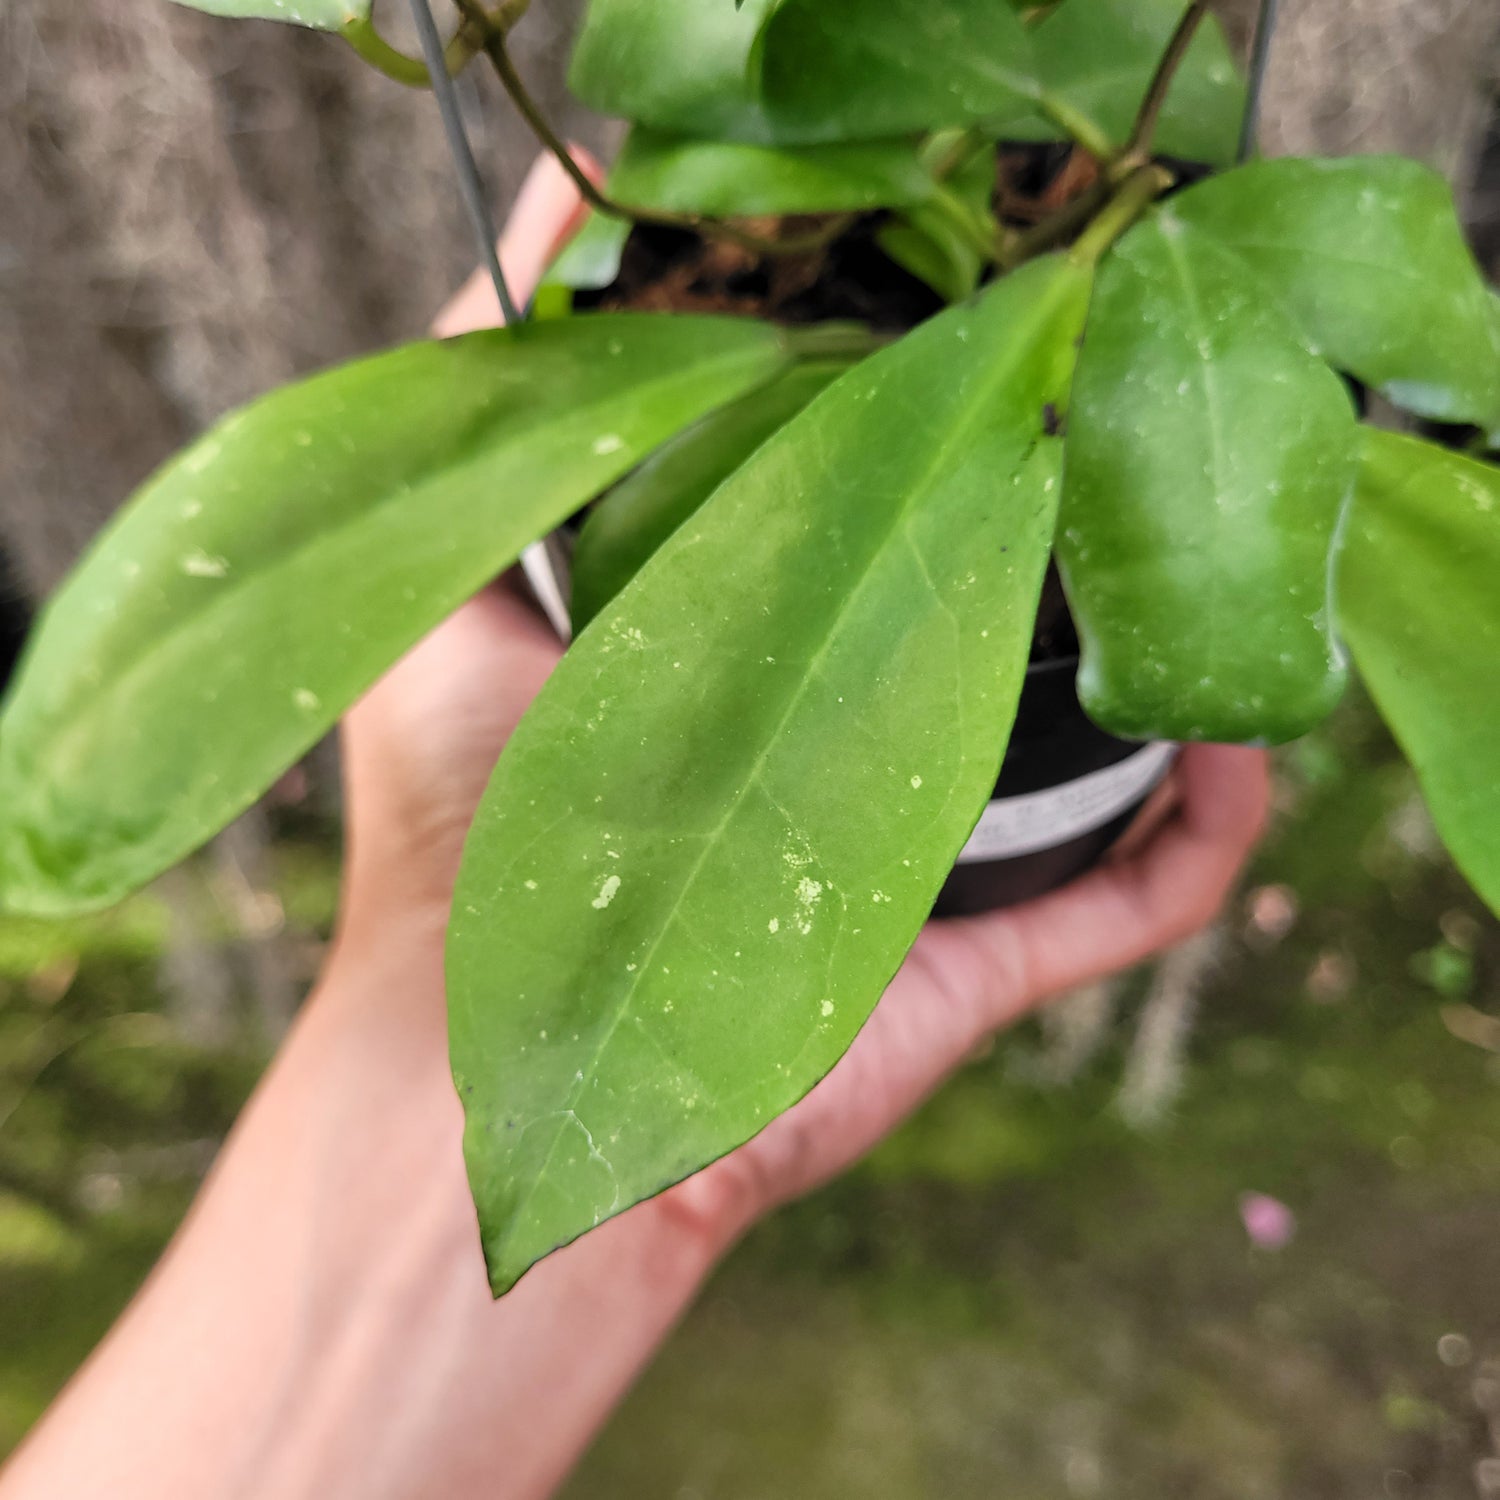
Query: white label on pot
x=1013 y=826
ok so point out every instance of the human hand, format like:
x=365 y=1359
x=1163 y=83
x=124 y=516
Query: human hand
x=322 y=1325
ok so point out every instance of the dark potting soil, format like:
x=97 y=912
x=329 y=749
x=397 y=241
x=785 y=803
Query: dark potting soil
x=676 y=270
x=673 y=270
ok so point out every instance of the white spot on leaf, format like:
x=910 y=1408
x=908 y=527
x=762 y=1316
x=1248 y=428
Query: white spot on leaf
x=199 y=564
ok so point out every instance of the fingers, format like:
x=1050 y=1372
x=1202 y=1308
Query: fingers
x=1119 y=914
x=549 y=210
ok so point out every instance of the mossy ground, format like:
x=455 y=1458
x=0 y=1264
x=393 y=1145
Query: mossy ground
x=1020 y=1294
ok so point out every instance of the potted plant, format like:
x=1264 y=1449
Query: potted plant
x=944 y=291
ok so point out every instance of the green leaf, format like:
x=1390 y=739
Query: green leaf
x=264 y=578
x=323 y=15
x=713 y=838
x=1208 y=458
x=927 y=243
x=1418 y=604
x=679 y=65
x=592 y=257
x=1368 y=256
x=641 y=512
x=731 y=177
x=848 y=69
x=944 y=240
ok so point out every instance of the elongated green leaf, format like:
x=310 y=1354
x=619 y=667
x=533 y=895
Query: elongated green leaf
x=715 y=835
x=268 y=575
x=641 y=512
x=1419 y=605
x=847 y=69
x=1208 y=458
x=729 y=177
x=676 y=64
x=323 y=15
x=1368 y=256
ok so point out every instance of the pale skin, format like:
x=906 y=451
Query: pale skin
x=321 y=1325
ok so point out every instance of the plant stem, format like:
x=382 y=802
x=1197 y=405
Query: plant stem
x=1140 y=190
x=362 y=36
x=1076 y=124
x=1137 y=151
x=948 y=152
x=1260 y=57
x=1043 y=236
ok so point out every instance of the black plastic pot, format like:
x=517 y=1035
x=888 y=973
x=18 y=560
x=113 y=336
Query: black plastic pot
x=1066 y=793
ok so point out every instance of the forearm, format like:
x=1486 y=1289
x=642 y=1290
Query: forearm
x=322 y=1324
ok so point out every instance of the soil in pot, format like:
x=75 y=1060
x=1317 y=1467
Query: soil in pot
x=1067 y=790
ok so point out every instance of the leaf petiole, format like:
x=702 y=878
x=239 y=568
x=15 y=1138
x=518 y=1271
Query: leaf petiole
x=1141 y=189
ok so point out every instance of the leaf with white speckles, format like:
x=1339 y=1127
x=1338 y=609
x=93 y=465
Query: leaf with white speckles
x=267 y=576
x=1208 y=458
x=1420 y=607
x=767 y=750
x=641 y=512
x=1368 y=256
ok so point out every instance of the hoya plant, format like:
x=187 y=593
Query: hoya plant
x=894 y=316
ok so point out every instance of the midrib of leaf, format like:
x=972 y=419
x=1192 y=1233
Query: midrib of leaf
x=978 y=408
x=301 y=551
x=1212 y=402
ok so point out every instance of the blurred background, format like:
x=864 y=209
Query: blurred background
x=1228 y=1227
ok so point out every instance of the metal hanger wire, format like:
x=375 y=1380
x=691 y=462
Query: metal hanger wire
x=1260 y=57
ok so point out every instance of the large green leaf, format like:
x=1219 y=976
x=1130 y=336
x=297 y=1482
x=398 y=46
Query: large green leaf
x=679 y=65
x=713 y=838
x=1368 y=256
x=641 y=512
x=845 y=69
x=324 y=15
x=269 y=574
x=1208 y=459
x=1419 y=605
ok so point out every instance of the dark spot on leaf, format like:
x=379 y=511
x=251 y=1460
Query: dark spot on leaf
x=1051 y=422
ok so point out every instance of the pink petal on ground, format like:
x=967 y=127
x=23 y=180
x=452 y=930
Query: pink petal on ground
x=1270 y=1224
